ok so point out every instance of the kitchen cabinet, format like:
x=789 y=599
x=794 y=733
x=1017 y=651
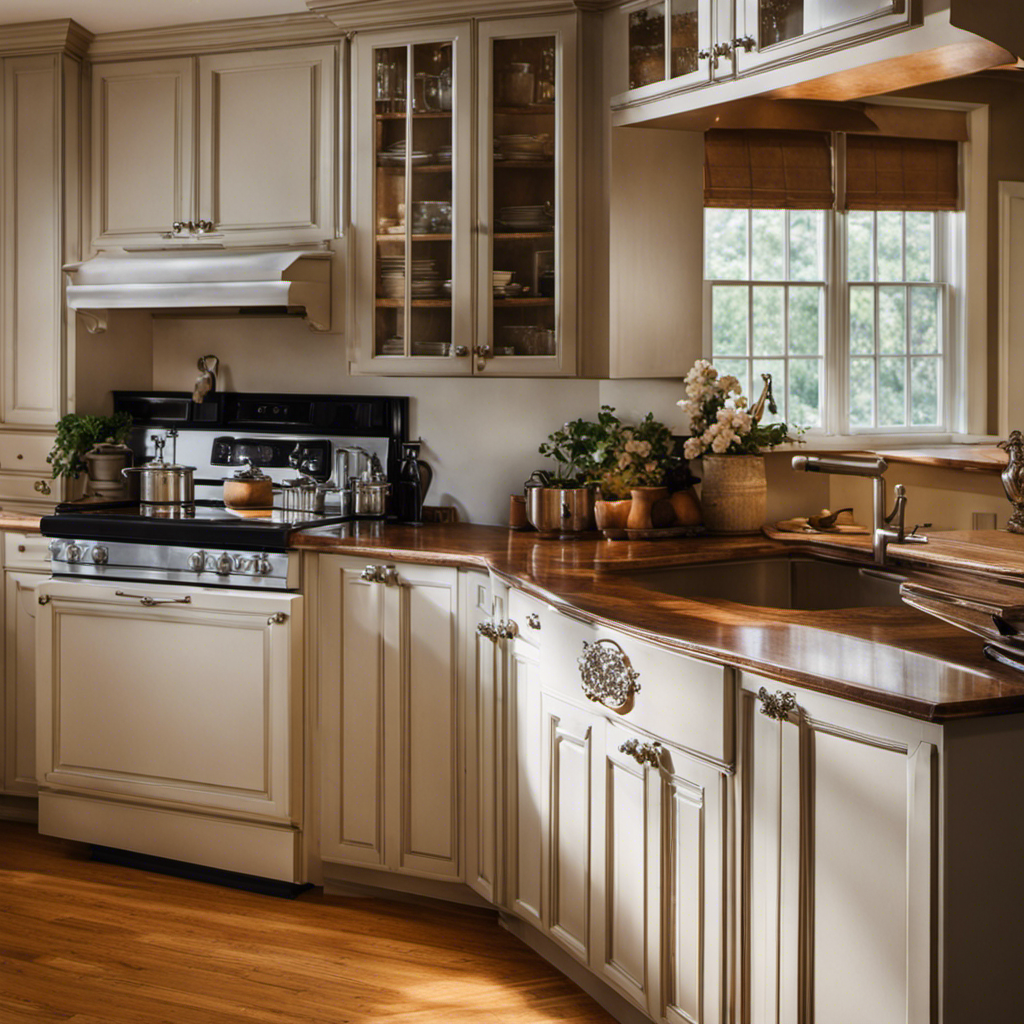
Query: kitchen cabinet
x=391 y=787
x=240 y=146
x=452 y=279
x=169 y=721
x=836 y=873
x=26 y=565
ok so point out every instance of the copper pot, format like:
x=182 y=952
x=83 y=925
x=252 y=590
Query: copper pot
x=248 y=488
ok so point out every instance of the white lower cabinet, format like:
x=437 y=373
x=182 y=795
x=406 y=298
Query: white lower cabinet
x=835 y=859
x=390 y=726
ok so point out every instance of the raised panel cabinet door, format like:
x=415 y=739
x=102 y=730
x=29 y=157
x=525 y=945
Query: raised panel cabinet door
x=266 y=144
x=422 y=716
x=20 y=607
x=483 y=676
x=142 y=151
x=354 y=661
x=31 y=321
x=192 y=700
x=847 y=888
x=570 y=737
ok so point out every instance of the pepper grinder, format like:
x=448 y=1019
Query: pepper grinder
x=414 y=477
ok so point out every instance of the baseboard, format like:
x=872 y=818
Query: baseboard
x=621 y=1009
x=341 y=880
x=19 y=808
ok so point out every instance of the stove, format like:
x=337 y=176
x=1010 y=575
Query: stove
x=204 y=543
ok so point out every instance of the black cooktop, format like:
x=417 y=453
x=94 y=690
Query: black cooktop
x=200 y=524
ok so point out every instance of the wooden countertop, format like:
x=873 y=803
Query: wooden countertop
x=897 y=659
x=20 y=522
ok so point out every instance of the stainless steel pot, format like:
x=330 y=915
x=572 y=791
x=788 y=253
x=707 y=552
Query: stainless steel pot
x=161 y=483
x=560 y=510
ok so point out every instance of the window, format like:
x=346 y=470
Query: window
x=770 y=277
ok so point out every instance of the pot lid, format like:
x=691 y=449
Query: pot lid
x=250 y=472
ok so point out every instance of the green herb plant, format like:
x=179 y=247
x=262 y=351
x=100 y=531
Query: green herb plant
x=77 y=434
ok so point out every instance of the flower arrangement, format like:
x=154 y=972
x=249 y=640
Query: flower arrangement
x=720 y=422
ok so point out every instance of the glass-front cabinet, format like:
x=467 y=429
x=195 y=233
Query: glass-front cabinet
x=453 y=279
x=669 y=41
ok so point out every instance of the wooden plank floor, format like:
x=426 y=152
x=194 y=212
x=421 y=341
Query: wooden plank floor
x=91 y=943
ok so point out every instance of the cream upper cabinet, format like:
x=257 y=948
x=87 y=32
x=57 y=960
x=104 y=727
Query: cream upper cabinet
x=465 y=197
x=237 y=148
x=390 y=726
x=837 y=826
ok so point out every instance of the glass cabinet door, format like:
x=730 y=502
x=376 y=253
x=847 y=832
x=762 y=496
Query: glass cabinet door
x=413 y=267
x=526 y=281
x=669 y=42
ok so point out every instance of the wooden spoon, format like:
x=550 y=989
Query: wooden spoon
x=826 y=520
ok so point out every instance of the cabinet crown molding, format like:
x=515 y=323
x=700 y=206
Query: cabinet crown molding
x=355 y=15
x=214 y=37
x=30 y=37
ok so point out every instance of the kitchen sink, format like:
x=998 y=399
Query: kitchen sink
x=805 y=584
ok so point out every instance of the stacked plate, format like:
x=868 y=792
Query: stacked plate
x=523 y=148
x=426 y=281
x=444 y=155
x=527 y=218
x=394 y=155
x=392 y=347
x=430 y=348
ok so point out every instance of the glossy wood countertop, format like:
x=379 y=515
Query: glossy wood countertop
x=893 y=658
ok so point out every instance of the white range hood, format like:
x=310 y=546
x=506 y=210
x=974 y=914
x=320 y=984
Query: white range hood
x=198 y=281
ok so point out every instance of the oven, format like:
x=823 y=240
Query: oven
x=170 y=664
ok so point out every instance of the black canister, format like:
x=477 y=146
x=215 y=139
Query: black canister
x=414 y=477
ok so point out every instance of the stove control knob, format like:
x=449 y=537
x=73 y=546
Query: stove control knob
x=56 y=548
x=73 y=553
x=197 y=561
x=261 y=566
x=100 y=554
x=224 y=565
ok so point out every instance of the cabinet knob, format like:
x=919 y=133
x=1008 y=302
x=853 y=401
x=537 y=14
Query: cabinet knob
x=607 y=676
x=533 y=620
x=41 y=486
x=379 y=574
x=643 y=753
x=776 y=705
x=487 y=631
x=747 y=43
x=461 y=351
x=483 y=351
x=507 y=629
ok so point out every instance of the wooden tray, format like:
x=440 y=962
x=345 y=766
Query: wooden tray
x=800 y=525
x=654 y=534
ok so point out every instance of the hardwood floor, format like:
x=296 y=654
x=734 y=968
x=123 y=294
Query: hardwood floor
x=90 y=943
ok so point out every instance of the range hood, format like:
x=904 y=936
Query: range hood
x=203 y=281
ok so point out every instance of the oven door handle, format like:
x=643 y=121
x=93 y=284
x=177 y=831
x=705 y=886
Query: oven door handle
x=149 y=602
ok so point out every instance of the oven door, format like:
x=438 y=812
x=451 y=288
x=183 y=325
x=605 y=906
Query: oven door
x=170 y=697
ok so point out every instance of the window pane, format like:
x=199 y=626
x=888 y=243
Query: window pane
x=892 y=388
x=859 y=234
x=725 y=245
x=804 y=408
x=767 y=245
x=920 y=246
x=805 y=321
x=777 y=368
x=769 y=329
x=890 y=245
x=862 y=321
x=806 y=242
x=862 y=392
x=924 y=392
x=924 y=320
x=892 y=320
x=729 y=320
x=738 y=368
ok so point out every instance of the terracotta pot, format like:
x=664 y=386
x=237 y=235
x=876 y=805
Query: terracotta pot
x=643 y=498
x=687 y=508
x=612 y=515
x=734 y=493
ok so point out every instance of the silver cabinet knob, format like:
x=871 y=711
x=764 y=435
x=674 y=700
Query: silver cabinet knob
x=100 y=555
x=224 y=565
x=197 y=561
x=745 y=43
x=461 y=350
x=776 y=705
x=73 y=553
x=507 y=629
x=533 y=620
x=41 y=486
x=56 y=548
x=643 y=753
x=379 y=574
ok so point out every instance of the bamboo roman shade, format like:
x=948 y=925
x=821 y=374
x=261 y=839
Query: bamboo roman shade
x=901 y=174
x=754 y=169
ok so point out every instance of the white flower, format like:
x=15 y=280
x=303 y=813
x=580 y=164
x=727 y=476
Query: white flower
x=624 y=462
x=693 y=448
x=643 y=449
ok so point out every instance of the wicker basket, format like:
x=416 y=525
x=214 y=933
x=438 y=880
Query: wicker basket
x=734 y=493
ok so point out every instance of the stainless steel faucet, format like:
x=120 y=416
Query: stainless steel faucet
x=883 y=529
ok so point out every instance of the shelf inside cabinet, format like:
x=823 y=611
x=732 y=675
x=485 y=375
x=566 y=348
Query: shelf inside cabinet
x=415 y=238
x=532 y=110
x=396 y=116
x=524 y=165
x=417 y=168
x=516 y=236
x=531 y=301
x=416 y=303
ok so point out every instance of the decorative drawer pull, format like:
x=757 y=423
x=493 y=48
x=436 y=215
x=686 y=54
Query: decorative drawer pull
x=607 y=676
x=643 y=753
x=44 y=598
x=487 y=630
x=277 y=618
x=747 y=42
x=149 y=602
x=41 y=486
x=776 y=705
x=503 y=629
x=533 y=620
x=379 y=574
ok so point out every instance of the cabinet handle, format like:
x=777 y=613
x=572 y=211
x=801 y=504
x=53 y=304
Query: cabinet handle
x=277 y=618
x=44 y=598
x=149 y=602
x=533 y=620
x=643 y=753
x=487 y=631
x=461 y=351
x=607 y=676
x=379 y=574
x=507 y=629
x=41 y=486
x=746 y=42
x=483 y=351
x=776 y=705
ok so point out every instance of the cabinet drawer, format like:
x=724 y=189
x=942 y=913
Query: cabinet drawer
x=29 y=489
x=26 y=551
x=25 y=453
x=534 y=618
x=687 y=702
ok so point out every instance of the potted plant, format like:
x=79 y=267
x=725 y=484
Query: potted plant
x=92 y=443
x=730 y=439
